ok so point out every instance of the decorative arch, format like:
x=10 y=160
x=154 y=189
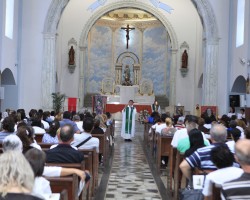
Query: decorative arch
x=7 y=77
x=210 y=28
x=126 y=4
x=239 y=85
x=128 y=54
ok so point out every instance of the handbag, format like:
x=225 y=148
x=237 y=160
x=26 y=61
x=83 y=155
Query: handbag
x=192 y=194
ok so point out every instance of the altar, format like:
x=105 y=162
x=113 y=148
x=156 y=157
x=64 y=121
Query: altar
x=126 y=84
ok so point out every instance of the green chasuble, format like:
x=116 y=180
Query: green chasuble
x=129 y=116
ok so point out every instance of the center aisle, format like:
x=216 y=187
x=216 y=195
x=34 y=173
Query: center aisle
x=130 y=176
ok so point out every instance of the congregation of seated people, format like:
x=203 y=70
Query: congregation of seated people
x=214 y=146
x=220 y=147
x=66 y=132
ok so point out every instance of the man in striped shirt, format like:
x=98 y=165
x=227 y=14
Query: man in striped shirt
x=201 y=158
x=240 y=187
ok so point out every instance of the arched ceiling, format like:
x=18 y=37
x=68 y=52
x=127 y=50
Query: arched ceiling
x=128 y=15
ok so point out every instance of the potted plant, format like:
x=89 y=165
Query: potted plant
x=58 y=101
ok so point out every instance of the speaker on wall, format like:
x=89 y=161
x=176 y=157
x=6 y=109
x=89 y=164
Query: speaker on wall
x=234 y=100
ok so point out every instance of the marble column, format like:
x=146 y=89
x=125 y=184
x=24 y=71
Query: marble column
x=48 y=70
x=118 y=74
x=113 y=50
x=83 y=59
x=173 y=71
x=210 y=83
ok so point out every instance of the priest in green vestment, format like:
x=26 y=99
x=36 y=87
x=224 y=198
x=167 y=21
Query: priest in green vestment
x=128 y=121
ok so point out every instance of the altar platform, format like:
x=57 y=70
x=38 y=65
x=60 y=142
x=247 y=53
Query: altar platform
x=115 y=107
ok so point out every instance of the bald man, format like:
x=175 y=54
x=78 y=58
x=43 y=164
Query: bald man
x=240 y=187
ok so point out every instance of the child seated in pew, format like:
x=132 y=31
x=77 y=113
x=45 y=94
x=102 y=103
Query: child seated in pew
x=37 y=158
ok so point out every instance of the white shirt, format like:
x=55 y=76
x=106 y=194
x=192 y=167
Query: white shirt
x=92 y=143
x=219 y=177
x=41 y=187
x=38 y=130
x=79 y=125
x=178 y=135
x=45 y=124
x=52 y=171
x=242 y=135
x=160 y=127
x=231 y=145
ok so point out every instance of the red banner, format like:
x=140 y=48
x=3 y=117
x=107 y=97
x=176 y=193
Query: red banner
x=72 y=102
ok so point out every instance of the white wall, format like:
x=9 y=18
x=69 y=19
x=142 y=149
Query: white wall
x=34 y=14
x=221 y=10
x=242 y=51
x=9 y=51
x=185 y=22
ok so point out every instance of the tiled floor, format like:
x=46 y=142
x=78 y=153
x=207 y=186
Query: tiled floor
x=130 y=175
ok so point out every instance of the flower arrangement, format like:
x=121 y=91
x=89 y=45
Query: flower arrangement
x=143 y=115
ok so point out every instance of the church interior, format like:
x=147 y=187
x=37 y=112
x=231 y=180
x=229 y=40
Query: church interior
x=191 y=56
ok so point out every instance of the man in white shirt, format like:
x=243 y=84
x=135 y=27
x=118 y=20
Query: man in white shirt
x=223 y=159
x=182 y=133
x=92 y=142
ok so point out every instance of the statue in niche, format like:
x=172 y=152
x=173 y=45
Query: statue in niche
x=126 y=76
x=71 y=56
x=184 y=59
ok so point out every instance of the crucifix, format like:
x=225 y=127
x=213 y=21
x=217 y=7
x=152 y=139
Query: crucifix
x=127 y=29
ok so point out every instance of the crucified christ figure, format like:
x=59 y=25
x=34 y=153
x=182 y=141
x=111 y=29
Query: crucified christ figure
x=127 y=29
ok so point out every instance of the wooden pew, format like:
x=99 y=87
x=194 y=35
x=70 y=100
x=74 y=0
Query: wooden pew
x=163 y=146
x=145 y=133
x=64 y=195
x=90 y=159
x=39 y=137
x=171 y=165
x=70 y=183
x=94 y=167
x=177 y=174
x=103 y=145
x=86 y=191
x=216 y=193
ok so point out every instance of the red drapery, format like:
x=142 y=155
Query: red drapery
x=72 y=102
x=113 y=108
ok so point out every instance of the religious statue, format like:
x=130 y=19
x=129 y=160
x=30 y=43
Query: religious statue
x=71 y=56
x=126 y=76
x=127 y=29
x=184 y=59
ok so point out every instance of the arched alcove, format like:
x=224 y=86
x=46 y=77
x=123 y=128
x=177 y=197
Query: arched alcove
x=211 y=36
x=7 y=77
x=127 y=54
x=239 y=85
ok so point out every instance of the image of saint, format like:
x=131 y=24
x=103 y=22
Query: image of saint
x=71 y=56
x=184 y=59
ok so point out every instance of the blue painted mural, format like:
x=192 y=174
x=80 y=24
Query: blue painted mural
x=156 y=60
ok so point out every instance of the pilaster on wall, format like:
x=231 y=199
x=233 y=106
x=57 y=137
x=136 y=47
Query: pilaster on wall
x=48 y=71
x=210 y=81
x=83 y=59
x=173 y=71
